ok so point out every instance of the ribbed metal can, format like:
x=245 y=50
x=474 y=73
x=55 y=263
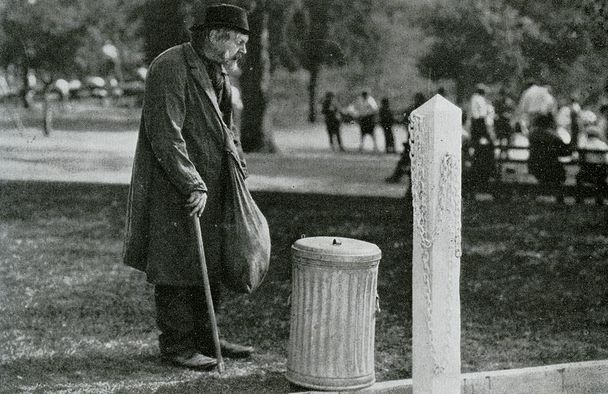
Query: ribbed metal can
x=333 y=313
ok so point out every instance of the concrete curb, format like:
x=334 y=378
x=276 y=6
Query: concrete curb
x=588 y=377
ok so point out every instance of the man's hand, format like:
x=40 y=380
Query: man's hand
x=196 y=202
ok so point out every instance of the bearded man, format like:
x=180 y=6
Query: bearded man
x=180 y=170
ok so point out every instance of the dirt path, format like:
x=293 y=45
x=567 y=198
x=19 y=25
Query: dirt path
x=305 y=164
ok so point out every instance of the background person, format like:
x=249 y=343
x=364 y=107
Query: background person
x=546 y=148
x=333 y=118
x=593 y=165
x=536 y=100
x=403 y=166
x=366 y=110
x=503 y=108
x=483 y=165
x=180 y=171
x=567 y=120
x=386 y=122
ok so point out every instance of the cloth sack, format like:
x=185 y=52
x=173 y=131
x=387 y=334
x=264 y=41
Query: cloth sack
x=246 y=240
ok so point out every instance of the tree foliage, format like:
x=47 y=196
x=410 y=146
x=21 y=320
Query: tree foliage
x=120 y=26
x=332 y=33
x=509 y=41
x=256 y=131
x=475 y=42
x=64 y=37
x=43 y=36
x=596 y=13
x=54 y=39
x=164 y=25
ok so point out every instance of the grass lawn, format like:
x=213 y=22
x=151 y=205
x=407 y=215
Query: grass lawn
x=74 y=319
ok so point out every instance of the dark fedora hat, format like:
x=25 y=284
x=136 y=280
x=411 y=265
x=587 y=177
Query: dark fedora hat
x=222 y=15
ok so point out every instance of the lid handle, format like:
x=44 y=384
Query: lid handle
x=336 y=242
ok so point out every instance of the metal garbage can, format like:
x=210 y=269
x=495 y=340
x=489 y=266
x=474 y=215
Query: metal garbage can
x=333 y=307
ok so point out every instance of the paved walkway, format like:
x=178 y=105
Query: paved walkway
x=305 y=164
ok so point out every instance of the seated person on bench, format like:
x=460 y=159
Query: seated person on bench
x=593 y=167
x=546 y=147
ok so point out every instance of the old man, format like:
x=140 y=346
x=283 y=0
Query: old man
x=180 y=171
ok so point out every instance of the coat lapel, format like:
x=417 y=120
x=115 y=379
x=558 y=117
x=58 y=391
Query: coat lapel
x=200 y=76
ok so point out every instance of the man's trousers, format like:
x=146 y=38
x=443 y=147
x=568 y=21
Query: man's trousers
x=182 y=317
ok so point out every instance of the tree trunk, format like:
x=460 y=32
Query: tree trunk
x=256 y=135
x=163 y=26
x=312 y=92
x=462 y=88
x=574 y=129
x=118 y=61
x=47 y=124
x=25 y=90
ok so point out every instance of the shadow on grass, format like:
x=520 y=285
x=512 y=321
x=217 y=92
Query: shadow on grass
x=135 y=373
x=269 y=382
x=61 y=369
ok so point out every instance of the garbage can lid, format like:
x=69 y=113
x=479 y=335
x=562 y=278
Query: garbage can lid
x=336 y=249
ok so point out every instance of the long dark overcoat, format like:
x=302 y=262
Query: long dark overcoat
x=181 y=147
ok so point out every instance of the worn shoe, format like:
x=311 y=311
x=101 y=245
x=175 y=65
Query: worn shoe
x=192 y=361
x=230 y=350
x=233 y=350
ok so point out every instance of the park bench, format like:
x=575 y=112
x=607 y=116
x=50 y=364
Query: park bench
x=514 y=179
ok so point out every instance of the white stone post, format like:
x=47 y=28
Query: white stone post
x=435 y=138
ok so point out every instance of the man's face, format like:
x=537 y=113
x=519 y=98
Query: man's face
x=228 y=47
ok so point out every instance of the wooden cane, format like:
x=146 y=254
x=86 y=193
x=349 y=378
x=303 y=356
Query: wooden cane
x=208 y=299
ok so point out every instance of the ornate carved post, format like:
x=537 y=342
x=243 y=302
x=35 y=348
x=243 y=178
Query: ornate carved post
x=435 y=138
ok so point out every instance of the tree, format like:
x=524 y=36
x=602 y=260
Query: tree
x=507 y=42
x=574 y=50
x=330 y=33
x=314 y=48
x=122 y=28
x=63 y=39
x=164 y=25
x=255 y=83
x=596 y=12
x=475 y=42
x=44 y=37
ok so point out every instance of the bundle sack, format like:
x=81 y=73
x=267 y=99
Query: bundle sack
x=246 y=240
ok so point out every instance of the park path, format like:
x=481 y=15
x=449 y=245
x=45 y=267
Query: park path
x=304 y=165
